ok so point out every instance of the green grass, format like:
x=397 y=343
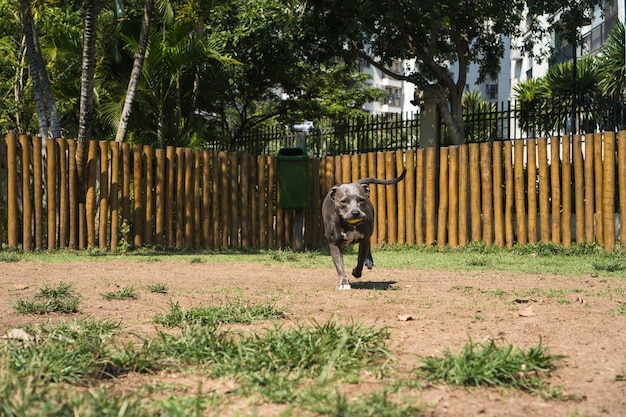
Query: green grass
x=541 y=258
x=124 y=293
x=209 y=316
x=488 y=364
x=61 y=298
x=158 y=288
x=305 y=368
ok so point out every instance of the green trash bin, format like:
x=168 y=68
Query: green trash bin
x=293 y=178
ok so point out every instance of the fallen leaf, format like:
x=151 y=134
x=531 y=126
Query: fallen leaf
x=524 y=300
x=580 y=300
x=20 y=286
x=527 y=312
x=17 y=334
x=404 y=317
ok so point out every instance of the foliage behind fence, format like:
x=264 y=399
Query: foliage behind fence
x=560 y=189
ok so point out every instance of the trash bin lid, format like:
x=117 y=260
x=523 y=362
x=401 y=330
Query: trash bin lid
x=291 y=152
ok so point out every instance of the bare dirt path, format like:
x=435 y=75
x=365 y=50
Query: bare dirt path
x=574 y=317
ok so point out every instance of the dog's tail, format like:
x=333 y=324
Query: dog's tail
x=371 y=180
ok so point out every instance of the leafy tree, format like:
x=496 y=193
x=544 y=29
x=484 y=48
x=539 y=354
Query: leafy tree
x=437 y=35
x=280 y=79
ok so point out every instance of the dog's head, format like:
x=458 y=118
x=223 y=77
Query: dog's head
x=350 y=201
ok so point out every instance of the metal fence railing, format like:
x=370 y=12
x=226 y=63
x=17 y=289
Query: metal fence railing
x=487 y=122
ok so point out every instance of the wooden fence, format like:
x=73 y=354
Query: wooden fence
x=559 y=189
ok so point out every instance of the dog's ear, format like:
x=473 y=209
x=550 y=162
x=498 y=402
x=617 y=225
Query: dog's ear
x=331 y=193
x=367 y=190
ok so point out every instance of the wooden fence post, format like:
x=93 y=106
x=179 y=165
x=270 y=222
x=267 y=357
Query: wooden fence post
x=170 y=195
x=608 y=197
x=566 y=193
x=520 y=199
x=148 y=163
x=138 y=212
x=579 y=181
x=188 y=226
x=381 y=208
x=371 y=172
x=409 y=199
x=463 y=190
x=104 y=194
x=419 y=196
x=498 y=210
x=114 y=193
x=38 y=191
x=51 y=187
x=544 y=190
x=90 y=201
x=599 y=185
x=401 y=199
x=430 y=195
x=442 y=217
x=509 y=198
x=180 y=198
x=160 y=190
x=63 y=193
x=392 y=202
x=486 y=172
x=555 y=185
x=621 y=163
x=475 y=193
x=532 y=190
x=453 y=196
x=12 y=193
x=27 y=205
x=589 y=190
x=125 y=203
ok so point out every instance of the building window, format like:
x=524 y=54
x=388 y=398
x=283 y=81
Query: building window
x=491 y=90
x=393 y=97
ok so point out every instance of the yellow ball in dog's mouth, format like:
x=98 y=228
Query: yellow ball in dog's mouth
x=355 y=221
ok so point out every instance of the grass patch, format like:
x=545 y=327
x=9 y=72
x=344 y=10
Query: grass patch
x=125 y=293
x=158 y=288
x=178 y=316
x=281 y=365
x=487 y=364
x=61 y=298
x=10 y=256
x=377 y=404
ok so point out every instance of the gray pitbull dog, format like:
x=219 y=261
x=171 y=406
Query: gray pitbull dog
x=348 y=216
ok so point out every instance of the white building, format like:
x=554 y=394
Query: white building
x=398 y=93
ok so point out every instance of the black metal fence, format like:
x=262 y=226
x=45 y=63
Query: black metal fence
x=331 y=137
x=485 y=123
x=554 y=117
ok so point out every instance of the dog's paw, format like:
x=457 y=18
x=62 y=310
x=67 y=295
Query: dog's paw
x=344 y=287
x=356 y=273
x=369 y=263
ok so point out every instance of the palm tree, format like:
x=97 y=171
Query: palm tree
x=136 y=71
x=44 y=100
x=612 y=64
x=86 y=112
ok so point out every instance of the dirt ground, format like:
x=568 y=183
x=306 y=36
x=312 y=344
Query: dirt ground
x=574 y=317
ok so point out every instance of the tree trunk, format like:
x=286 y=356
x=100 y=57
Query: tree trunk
x=28 y=26
x=136 y=71
x=86 y=93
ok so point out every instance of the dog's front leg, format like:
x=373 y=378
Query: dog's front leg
x=364 y=258
x=337 y=255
